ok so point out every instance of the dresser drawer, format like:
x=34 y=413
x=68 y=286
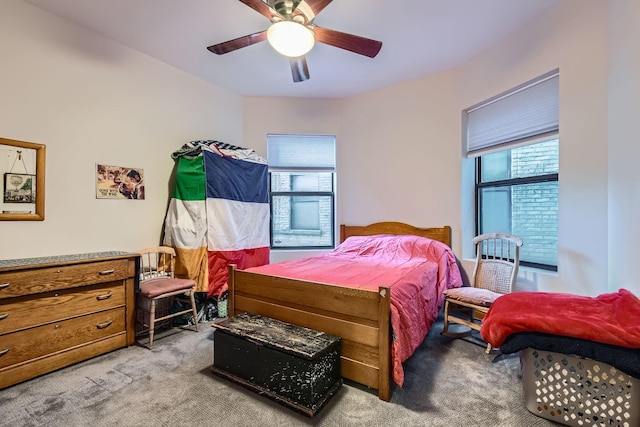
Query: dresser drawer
x=38 y=280
x=24 y=312
x=36 y=342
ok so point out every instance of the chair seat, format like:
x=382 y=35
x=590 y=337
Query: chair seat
x=470 y=295
x=154 y=287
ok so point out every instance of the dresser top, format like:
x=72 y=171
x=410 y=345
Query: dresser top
x=22 y=263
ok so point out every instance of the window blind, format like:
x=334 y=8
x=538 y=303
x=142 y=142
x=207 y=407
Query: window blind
x=514 y=118
x=315 y=152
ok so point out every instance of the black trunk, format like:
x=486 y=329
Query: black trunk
x=293 y=365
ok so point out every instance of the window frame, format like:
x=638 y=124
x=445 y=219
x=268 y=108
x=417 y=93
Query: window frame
x=321 y=165
x=330 y=194
x=511 y=182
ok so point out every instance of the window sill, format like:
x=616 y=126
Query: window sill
x=541 y=271
x=278 y=255
x=299 y=232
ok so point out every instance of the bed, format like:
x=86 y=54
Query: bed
x=364 y=314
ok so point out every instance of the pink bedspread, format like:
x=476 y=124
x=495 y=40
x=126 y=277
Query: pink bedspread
x=417 y=269
x=608 y=318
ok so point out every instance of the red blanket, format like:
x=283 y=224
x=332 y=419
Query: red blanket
x=612 y=318
x=417 y=269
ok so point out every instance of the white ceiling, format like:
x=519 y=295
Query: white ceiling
x=420 y=37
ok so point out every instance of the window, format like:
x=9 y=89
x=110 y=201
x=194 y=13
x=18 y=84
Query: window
x=302 y=191
x=515 y=141
x=517 y=193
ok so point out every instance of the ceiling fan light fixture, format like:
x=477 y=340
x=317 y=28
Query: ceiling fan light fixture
x=290 y=38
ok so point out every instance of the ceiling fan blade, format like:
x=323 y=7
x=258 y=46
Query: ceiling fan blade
x=350 y=42
x=310 y=8
x=299 y=69
x=240 y=42
x=317 y=5
x=262 y=8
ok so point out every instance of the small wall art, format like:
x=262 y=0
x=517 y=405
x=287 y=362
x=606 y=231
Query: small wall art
x=22 y=167
x=118 y=182
x=19 y=188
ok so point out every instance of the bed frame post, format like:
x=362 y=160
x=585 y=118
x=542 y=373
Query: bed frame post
x=231 y=293
x=384 y=367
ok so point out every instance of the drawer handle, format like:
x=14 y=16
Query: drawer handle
x=3 y=352
x=104 y=325
x=4 y=285
x=105 y=272
x=4 y=316
x=103 y=297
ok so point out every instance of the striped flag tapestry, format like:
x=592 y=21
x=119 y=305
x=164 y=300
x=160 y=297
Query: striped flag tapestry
x=219 y=213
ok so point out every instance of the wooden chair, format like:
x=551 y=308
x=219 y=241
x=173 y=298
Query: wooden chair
x=157 y=282
x=495 y=273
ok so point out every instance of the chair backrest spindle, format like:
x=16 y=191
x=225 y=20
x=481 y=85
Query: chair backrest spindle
x=157 y=262
x=497 y=260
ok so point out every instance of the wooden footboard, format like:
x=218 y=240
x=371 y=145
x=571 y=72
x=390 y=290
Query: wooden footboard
x=360 y=317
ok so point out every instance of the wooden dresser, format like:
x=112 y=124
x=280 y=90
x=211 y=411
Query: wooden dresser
x=56 y=311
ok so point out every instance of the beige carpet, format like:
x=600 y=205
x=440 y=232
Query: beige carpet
x=448 y=383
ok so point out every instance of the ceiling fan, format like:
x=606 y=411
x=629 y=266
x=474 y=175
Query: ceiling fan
x=293 y=33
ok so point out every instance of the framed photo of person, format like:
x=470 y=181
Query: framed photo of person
x=118 y=182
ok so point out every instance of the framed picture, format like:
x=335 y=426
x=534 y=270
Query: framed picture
x=119 y=182
x=18 y=188
x=22 y=168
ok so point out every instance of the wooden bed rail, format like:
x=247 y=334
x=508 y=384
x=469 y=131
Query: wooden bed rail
x=360 y=317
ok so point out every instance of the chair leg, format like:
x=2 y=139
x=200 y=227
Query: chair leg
x=488 y=350
x=152 y=322
x=195 y=311
x=445 y=328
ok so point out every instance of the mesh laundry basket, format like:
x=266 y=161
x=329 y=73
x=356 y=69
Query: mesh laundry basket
x=576 y=391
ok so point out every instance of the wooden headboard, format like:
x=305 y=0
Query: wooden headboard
x=441 y=234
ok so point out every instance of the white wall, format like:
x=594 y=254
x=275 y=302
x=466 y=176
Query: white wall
x=91 y=100
x=400 y=155
x=289 y=116
x=624 y=149
x=395 y=149
x=572 y=37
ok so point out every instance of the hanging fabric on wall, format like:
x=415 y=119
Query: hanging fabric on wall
x=219 y=213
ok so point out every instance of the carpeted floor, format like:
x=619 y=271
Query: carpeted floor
x=448 y=383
